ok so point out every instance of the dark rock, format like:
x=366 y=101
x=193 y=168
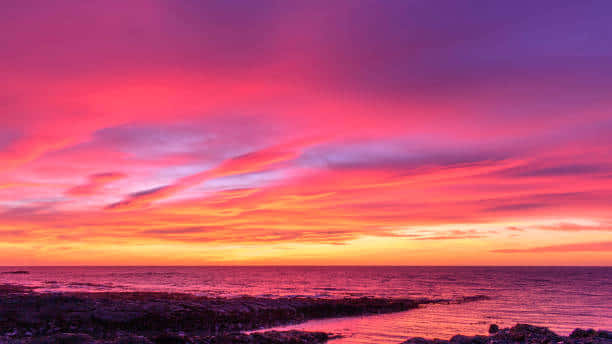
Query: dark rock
x=169 y=339
x=493 y=328
x=530 y=333
x=466 y=299
x=294 y=337
x=133 y=340
x=115 y=316
x=9 y=289
x=273 y=337
x=525 y=334
x=418 y=340
x=64 y=338
x=604 y=334
x=460 y=339
x=580 y=333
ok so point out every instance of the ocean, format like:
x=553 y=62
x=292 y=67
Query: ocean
x=561 y=298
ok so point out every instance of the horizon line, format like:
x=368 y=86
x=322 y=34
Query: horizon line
x=306 y=265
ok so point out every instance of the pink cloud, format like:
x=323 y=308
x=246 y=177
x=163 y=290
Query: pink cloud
x=247 y=163
x=95 y=183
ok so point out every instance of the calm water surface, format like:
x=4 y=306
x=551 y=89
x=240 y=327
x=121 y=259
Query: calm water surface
x=561 y=298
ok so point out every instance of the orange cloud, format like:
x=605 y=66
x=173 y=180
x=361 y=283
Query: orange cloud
x=575 y=227
x=578 y=247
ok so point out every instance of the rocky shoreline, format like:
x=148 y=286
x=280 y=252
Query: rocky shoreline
x=26 y=316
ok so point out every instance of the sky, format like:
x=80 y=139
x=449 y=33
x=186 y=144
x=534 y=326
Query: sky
x=305 y=132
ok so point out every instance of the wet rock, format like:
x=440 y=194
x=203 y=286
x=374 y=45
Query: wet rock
x=590 y=336
x=530 y=333
x=526 y=334
x=420 y=340
x=65 y=338
x=604 y=334
x=133 y=340
x=292 y=337
x=9 y=289
x=115 y=316
x=580 y=333
x=466 y=299
x=273 y=337
x=169 y=339
x=417 y=340
x=460 y=339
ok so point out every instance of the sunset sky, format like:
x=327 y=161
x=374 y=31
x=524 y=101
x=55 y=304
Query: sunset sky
x=305 y=132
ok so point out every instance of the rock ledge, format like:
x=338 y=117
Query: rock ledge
x=524 y=334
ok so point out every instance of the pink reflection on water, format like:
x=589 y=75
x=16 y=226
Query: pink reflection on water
x=444 y=321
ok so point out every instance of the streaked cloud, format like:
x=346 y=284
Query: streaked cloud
x=95 y=183
x=328 y=129
x=605 y=246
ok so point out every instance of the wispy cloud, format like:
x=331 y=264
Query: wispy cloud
x=95 y=183
x=247 y=163
x=576 y=227
x=605 y=246
x=565 y=227
x=452 y=235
